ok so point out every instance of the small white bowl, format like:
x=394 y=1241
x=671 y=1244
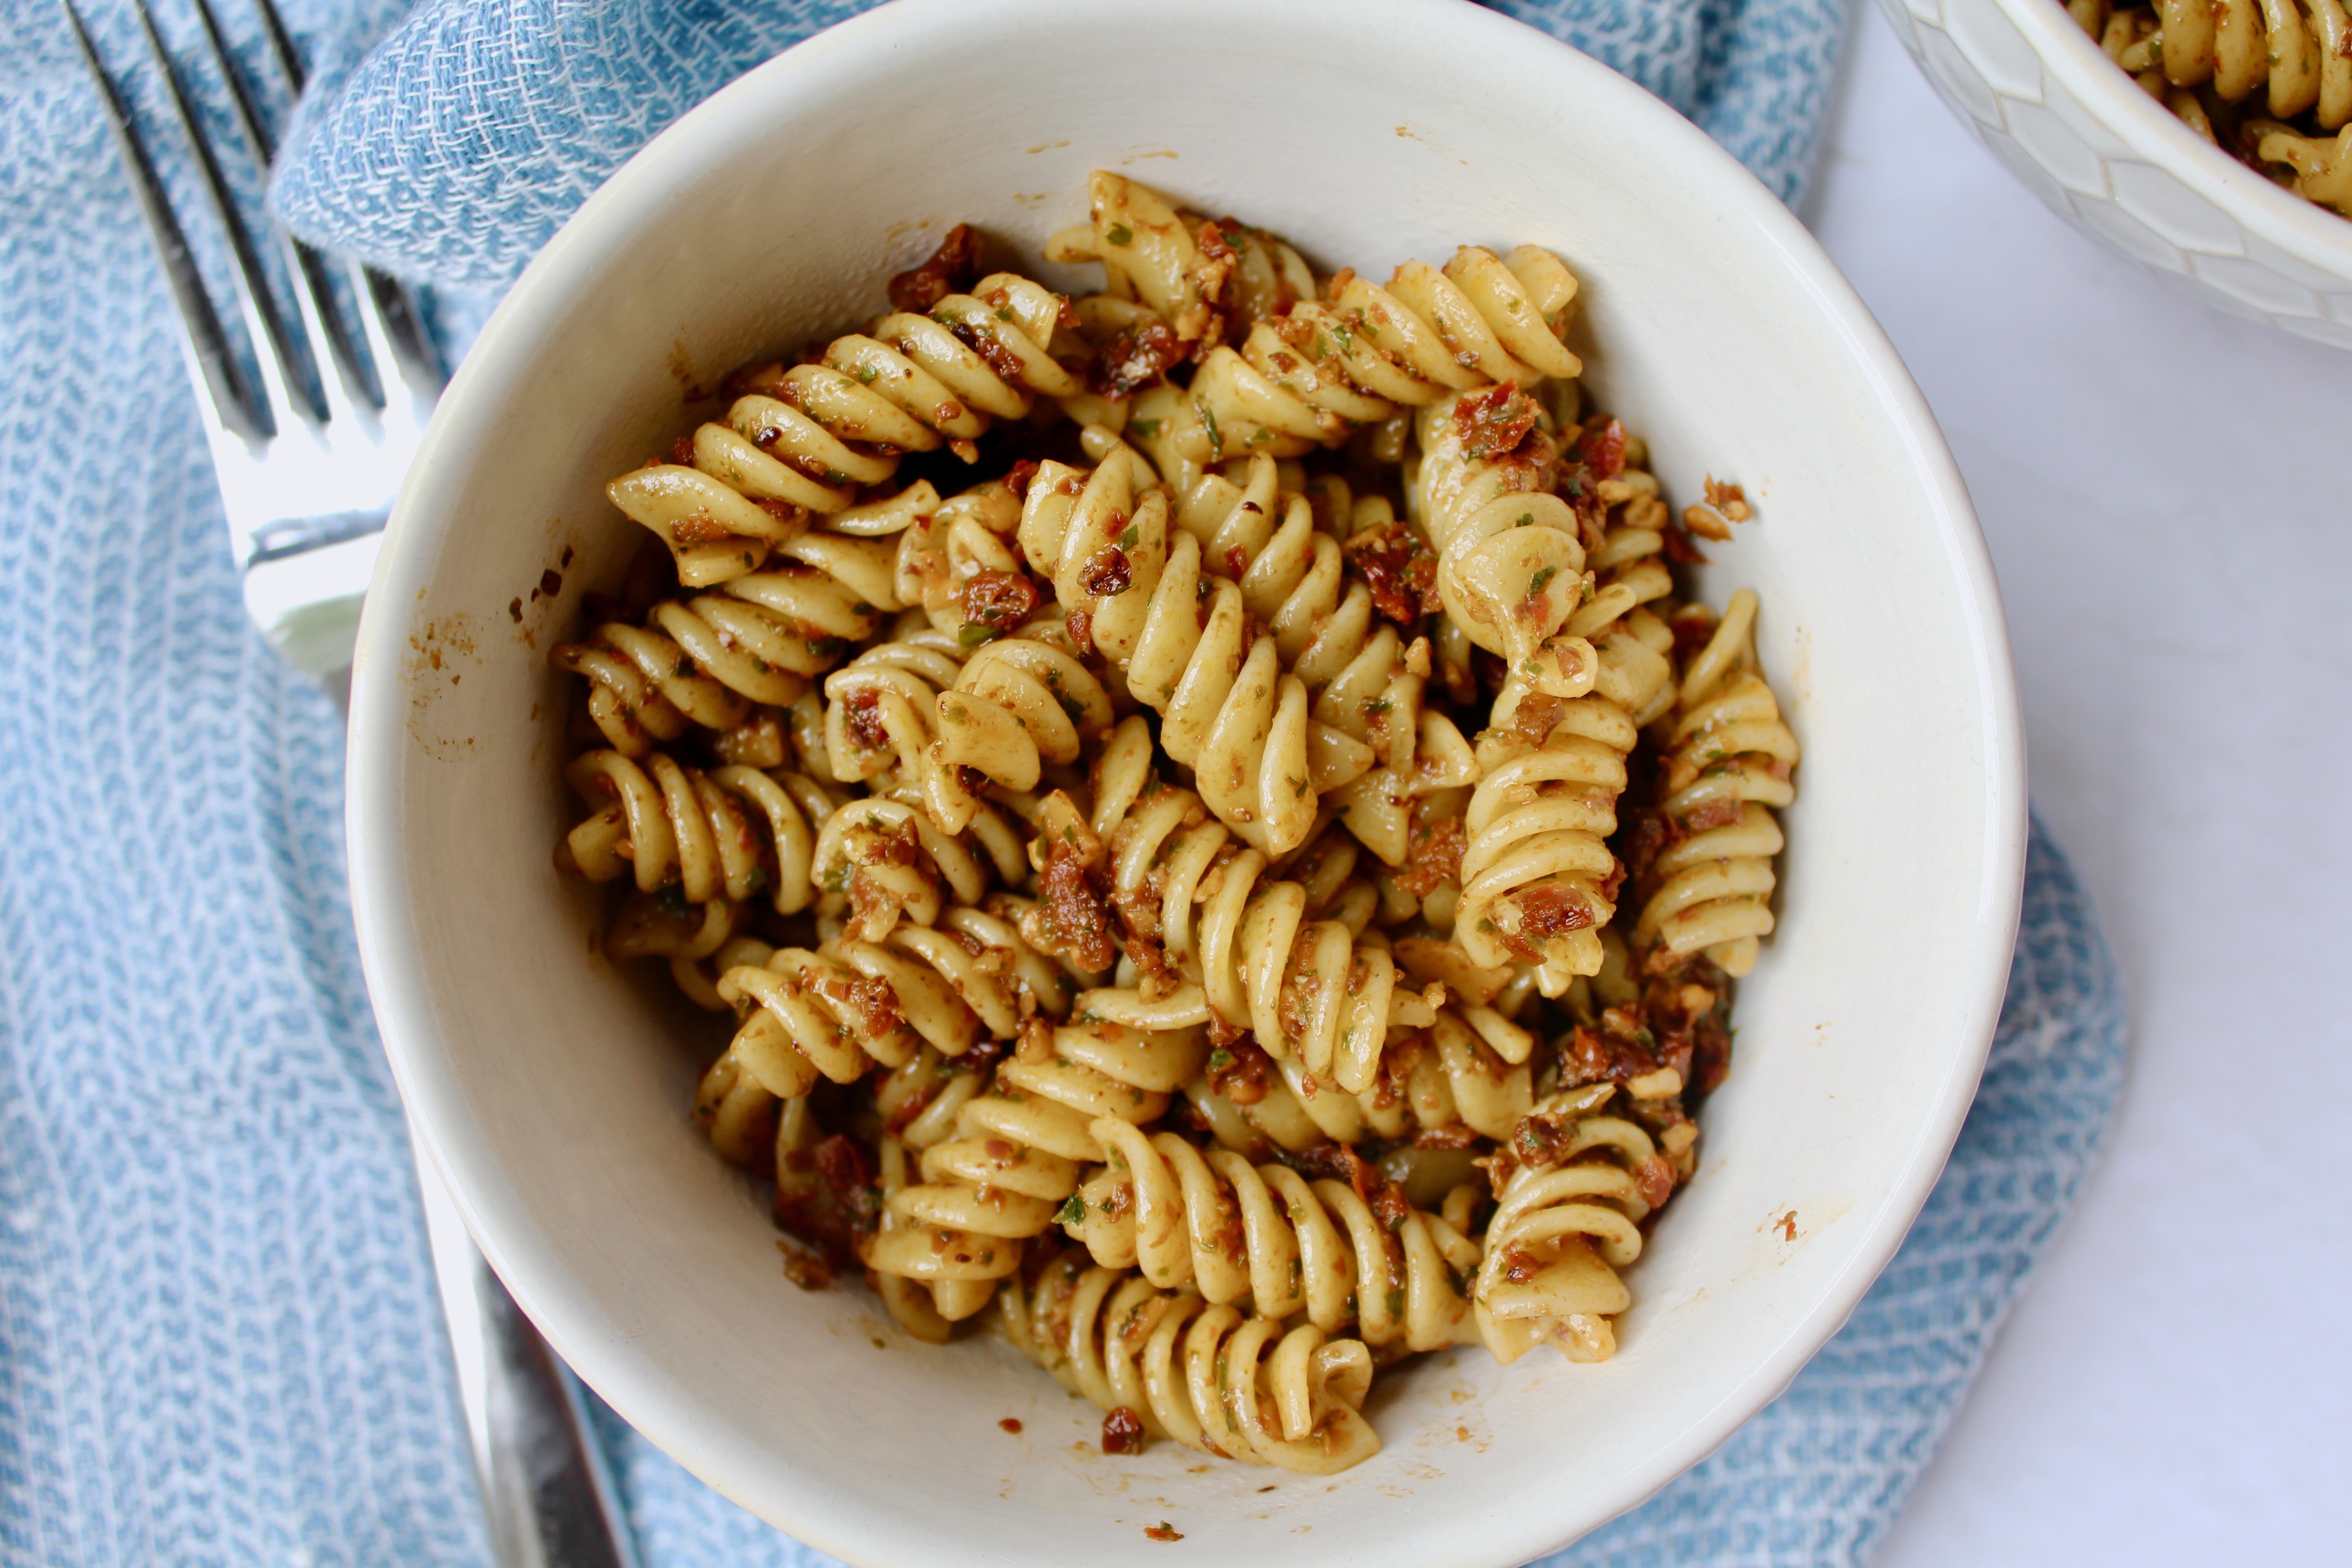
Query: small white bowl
x=2122 y=168
x=553 y=1091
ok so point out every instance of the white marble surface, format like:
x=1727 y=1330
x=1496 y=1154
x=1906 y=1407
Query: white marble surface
x=2169 y=496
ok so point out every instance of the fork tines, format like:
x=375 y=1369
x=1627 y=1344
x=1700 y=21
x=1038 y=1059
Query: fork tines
x=298 y=351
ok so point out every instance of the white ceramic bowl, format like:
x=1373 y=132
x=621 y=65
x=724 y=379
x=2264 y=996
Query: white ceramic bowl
x=553 y=1091
x=2122 y=168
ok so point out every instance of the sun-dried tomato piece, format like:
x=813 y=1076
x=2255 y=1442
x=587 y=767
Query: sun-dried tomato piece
x=1549 y=909
x=950 y=269
x=1432 y=854
x=999 y=357
x=1493 y=420
x=1678 y=546
x=1609 y=1056
x=862 y=717
x=1241 y=1070
x=1122 y=1432
x=1138 y=355
x=1399 y=568
x=1076 y=925
x=841 y=1205
x=1000 y=600
x=1655 y=1178
x=1603 y=450
x=1107 y=573
x=809 y=1271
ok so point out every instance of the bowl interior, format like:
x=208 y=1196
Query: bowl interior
x=554 y=1090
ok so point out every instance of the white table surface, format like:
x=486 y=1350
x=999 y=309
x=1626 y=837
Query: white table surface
x=2169 y=496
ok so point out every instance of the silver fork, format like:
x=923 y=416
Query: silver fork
x=308 y=460
x=309 y=464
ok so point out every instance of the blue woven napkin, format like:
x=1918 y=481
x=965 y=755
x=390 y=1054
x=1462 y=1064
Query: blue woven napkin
x=219 y=1338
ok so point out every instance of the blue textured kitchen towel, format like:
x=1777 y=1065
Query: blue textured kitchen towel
x=219 y=1338
x=469 y=136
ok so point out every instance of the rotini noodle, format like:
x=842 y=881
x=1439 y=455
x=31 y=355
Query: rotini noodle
x=805 y=439
x=1729 y=761
x=705 y=660
x=1229 y=710
x=1222 y=936
x=725 y=836
x=1355 y=356
x=1563 y=1226
x=1510 y=561
x=1265 y=1234
x=1098 y=856
x=1019 y=1148
x=1208 y=1377
x=1470 y=1070
x=2208 y=58
x=852 y=1005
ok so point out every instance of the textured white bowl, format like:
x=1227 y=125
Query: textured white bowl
x=2122 y=168
x=553 y=1091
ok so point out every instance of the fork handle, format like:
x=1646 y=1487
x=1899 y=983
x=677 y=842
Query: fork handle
x=551 y=1498
x=307 y=601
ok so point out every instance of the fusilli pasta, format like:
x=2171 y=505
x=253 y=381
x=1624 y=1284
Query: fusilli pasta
x=1729 y=762
x=1208 y=1377
x=1102 y=848
x=2206 y=60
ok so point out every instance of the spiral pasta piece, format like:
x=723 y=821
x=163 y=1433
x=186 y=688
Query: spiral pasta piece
x=1564 y=1224
x=643 y=688
x=1729 y=763
x=805 y=439
x=1510 y=557
x=725 y=836
x=1366 y=683
x=1228 y=709
x=906 y=981
x=1215 y=933
x=1354 y=357
x=885 y=860
x=851 y=1005
x=1469 y=1074
x=705 y=660
x=917 y=709
x=2322 y=168
x=1537 y=878
x=1175 y=265
x=941 y=554
x=1235 y=1231
x=2301 y=50
x=1021 y=704
x=1018 y=1149
x=881 y=708
x=1206 y=1376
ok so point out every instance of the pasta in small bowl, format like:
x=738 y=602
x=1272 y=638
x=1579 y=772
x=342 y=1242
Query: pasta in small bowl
x=2209 y=143
x=1069 y=746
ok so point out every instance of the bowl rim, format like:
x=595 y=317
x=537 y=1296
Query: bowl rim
x=582 y=1329
x=2305 y=229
